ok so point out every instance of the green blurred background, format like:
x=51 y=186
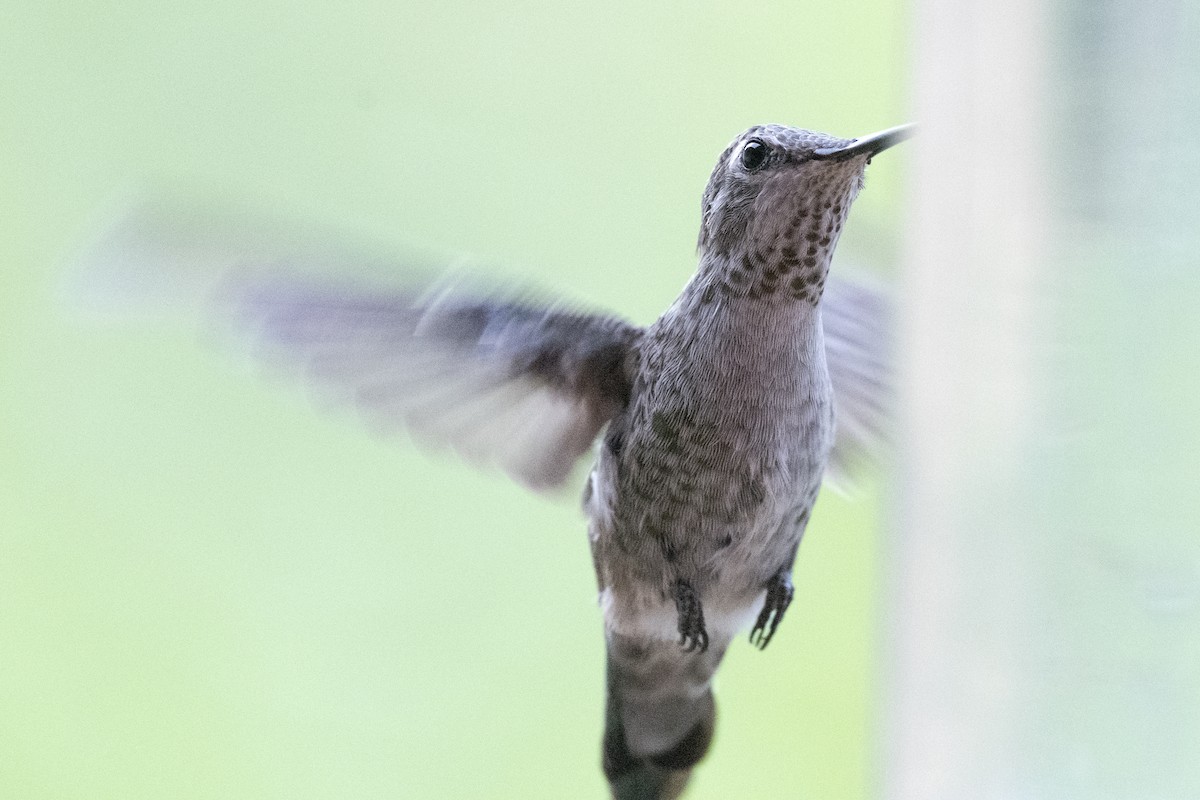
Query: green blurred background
x=207 y=588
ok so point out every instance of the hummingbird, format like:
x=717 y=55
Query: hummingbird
x=712 y=429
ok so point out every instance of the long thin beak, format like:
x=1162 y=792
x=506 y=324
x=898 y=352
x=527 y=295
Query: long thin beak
x=866 y=145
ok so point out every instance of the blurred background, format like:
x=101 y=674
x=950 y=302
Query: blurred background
x=210 y=589
x=1041 y=632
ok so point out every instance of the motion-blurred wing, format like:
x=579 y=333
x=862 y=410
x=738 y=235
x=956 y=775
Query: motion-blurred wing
x=523 y=386
x=857 y=345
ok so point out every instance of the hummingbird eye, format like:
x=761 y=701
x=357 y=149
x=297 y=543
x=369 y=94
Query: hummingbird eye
x=754 y=155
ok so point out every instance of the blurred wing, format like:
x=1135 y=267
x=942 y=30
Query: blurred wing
x=857 y=345
x=522 y=386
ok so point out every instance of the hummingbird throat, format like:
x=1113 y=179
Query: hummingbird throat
x=784 y=255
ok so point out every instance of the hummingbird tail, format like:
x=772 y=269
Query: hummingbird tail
x=660 y=715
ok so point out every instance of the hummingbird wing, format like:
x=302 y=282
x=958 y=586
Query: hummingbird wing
x=857 y=322
x=514 y=383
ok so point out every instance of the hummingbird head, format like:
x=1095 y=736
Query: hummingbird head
x=775 y=205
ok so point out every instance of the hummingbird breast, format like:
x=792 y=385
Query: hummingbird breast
x=711 y=473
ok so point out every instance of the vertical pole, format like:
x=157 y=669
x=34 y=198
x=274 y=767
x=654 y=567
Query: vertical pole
x=1043 y=621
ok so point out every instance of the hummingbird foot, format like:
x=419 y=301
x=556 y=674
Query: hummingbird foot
x=693 y=636
x=779 y=597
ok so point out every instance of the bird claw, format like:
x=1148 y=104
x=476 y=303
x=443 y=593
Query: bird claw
x=693 y=636
x=779 y=596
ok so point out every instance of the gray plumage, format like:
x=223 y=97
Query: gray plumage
x=718 y=419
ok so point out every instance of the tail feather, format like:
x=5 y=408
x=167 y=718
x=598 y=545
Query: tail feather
x=660 y=715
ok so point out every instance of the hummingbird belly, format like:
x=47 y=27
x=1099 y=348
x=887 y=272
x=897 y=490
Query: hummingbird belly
x=716 y=500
